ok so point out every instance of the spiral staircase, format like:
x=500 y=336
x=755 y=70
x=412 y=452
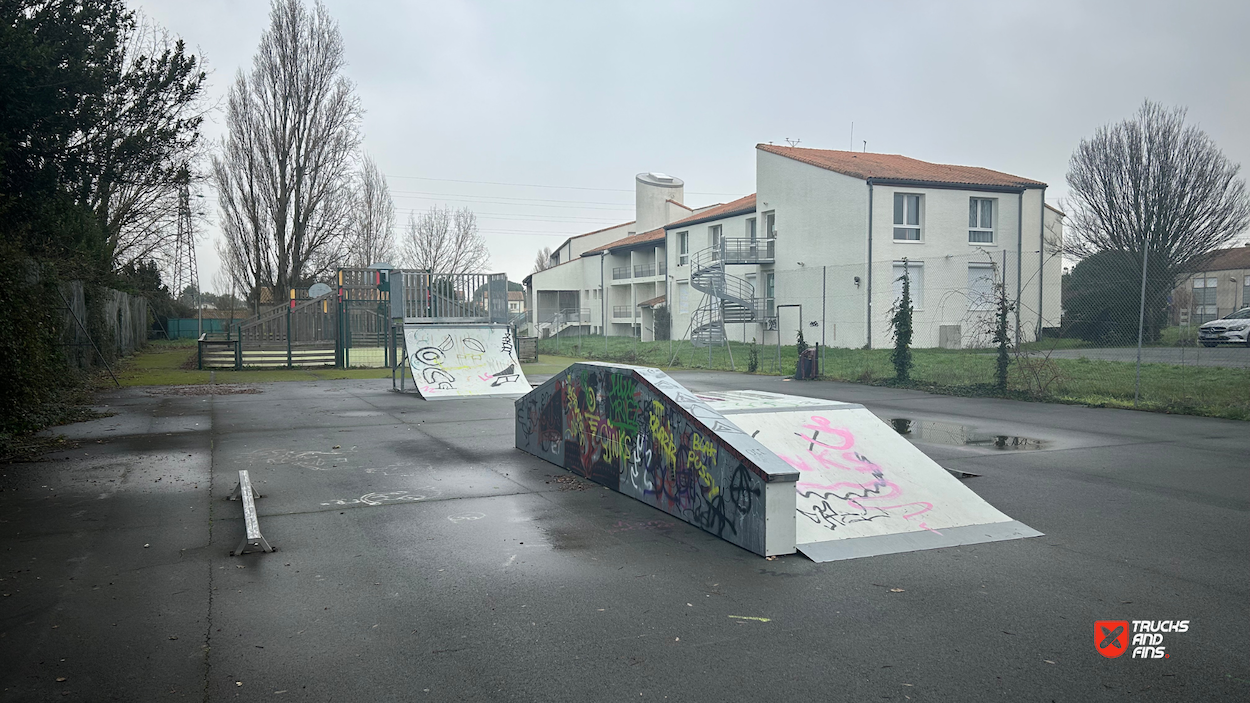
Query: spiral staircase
x=728 y=298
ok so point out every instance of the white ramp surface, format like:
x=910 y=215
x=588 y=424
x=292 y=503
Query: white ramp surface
x=863 y=490
x=455 y=361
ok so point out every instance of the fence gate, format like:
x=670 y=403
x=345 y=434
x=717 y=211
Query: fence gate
x=366 y=338
x=301 y=333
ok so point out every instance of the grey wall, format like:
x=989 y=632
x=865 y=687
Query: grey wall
x=637 y=431
x=118 y=327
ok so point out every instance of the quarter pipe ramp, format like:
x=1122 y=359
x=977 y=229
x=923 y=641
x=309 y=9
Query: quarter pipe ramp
x=456 y=361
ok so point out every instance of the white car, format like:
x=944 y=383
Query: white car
x=1232 y=329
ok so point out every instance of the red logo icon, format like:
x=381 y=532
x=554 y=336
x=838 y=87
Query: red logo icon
x=1111 y=637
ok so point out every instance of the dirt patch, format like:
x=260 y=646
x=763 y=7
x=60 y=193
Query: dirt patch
x=571 y=483
x=206 y=389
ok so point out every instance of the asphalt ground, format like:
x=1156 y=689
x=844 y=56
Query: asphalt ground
x=422 y=557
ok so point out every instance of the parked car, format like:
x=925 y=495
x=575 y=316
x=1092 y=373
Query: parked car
x=1231 y=329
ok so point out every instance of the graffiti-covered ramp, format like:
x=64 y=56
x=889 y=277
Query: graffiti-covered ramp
x=639 y=432
x=459 y=361
x=862 y=490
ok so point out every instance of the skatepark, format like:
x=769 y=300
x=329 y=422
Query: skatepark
x=421 y=555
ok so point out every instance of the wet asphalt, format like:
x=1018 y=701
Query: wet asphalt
x=422 y=557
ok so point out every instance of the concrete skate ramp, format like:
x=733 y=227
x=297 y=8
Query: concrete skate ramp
x=457 y=361
x=639 y=432
x=862 y=489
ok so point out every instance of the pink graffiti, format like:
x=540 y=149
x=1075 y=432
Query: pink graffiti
x=823 y=458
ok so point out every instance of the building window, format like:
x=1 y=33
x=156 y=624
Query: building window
x=683 y=296
x=916 y=271
x=980 y=220
x=683 y=248
x=906 y=217
x=980 y=287
x=770 y=225
x=770 y=298
x=1205 y=308
x=713 y=233
x=751 y=228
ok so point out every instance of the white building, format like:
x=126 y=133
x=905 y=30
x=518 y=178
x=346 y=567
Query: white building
x=626 y=260
x=820 y=248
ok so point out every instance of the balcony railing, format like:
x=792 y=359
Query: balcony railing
x=644 y=270
x=661 y=269
x=748 y=251
x=622 y=312
x=620 y=273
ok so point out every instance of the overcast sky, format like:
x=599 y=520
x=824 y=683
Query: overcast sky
x=537 y=115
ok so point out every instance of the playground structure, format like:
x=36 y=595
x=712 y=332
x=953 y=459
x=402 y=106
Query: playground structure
x=374 y=317
x=349 y=326
x=771 y=473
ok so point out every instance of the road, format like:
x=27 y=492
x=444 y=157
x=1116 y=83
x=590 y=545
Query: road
x=421 y=557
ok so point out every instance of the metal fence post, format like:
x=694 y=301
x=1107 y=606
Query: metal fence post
x=288 y=336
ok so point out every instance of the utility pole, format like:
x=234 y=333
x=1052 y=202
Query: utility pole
x=186 y=272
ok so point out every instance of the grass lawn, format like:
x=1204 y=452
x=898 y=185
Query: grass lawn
x=166 y=363
x=1191 y=390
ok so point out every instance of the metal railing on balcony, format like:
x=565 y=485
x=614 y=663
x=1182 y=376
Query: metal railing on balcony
x=644 y=270
x=749 y=251
x=661 y=268
x=620 y=273
x=622 y=312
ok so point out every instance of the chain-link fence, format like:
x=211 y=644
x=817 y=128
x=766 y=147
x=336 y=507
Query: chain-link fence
x=1071 y=335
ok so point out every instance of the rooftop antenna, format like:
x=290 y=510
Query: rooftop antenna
x=793 y=142
x=865 y=146
x=852 y=135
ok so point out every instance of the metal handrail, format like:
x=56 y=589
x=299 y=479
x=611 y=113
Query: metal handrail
x=748 y=251
x=644 y=270
x=620 y=272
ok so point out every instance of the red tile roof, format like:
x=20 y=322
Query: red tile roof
x=680 y=205
x=740 y=206
x=658 y=300
x=1222 y=260
x=893 y=167
x=655 y=235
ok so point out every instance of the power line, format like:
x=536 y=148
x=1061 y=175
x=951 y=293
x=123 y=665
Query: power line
x=535 y=217
x=537 y=185
x=504 y=197
x=622 y=208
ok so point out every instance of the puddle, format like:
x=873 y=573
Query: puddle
x=961 y=435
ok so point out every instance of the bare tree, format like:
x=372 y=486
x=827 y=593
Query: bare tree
x=145 y=143
x=1152 y=186
x=284 y=175
x=373 y=217
x=443 y=240
x=542 y=261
